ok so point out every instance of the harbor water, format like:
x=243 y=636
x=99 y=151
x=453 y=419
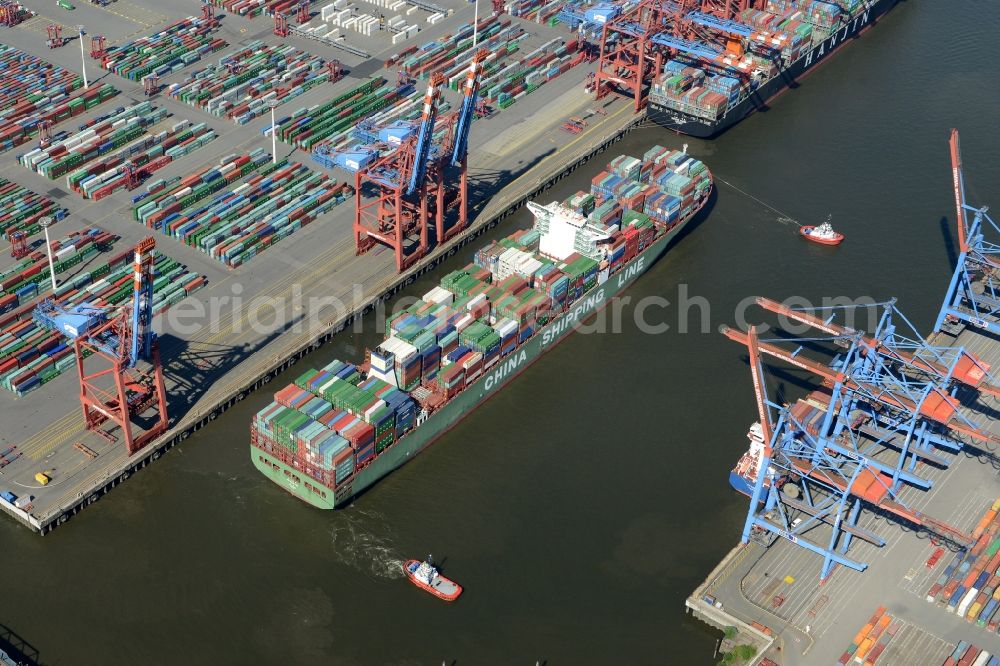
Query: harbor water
x=583 y=503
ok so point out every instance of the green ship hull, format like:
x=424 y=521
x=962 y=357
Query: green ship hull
x=492 y=380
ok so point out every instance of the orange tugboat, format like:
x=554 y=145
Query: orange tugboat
x=425 y=576
x=823 y=234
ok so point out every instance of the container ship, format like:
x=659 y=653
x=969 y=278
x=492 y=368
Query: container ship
x=337 y=430
x=760 y=55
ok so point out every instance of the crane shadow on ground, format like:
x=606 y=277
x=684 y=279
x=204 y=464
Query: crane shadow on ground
x=18 y=649
x=191 y=369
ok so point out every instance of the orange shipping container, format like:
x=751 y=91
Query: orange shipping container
x=863 y=648
x=860 y=636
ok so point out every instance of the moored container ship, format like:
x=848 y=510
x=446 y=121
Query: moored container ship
x=710 y=88
x=337 y=430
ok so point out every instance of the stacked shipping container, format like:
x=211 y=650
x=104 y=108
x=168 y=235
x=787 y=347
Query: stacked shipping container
x=237 y=224
x=244 y=83
x=33 y=91
x=965 y=654
x=21 y=209
x=871 y=641
x=334 y=119
x=970 y=583
x=175 y=47
x=122 y=136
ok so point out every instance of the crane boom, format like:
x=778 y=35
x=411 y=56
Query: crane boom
x=142 y=304
x=959 y=184
x=969 y=370
x=938 y=406
x=759 y=389
x=425 y=134
x=468 y=112
x=720 y=24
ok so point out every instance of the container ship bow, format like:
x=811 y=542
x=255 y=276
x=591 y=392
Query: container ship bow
x=337 y=430
x=737 y=66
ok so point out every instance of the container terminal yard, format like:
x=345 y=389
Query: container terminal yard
x=355 y=96
x=875 y=496
x=207 y=371
x=868 y=527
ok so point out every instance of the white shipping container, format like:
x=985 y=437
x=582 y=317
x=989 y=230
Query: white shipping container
x=506 y=327
x=439 y=295
x=464 y=321
x=981 y=660
x=475 y=302
x=967 y=600
x=325 y=387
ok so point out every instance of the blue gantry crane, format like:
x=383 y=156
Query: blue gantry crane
x=908 y=348
x=810 y=470
x=116 y=338
x=880 y=376
x=973 y=295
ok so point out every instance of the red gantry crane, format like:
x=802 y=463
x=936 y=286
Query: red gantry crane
x=116 y=340
x=636 y=43
x=410 y=183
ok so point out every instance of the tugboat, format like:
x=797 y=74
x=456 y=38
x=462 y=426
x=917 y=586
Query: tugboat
x=823 y=234
x=425 y=576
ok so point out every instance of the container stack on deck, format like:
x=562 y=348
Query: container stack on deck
x=663 y=186
x=237 y=224
x=333 y=421
x=21 y=209
x=266 y=72
x=170 y=50
x=122 y=136
x=476 y=317
x=31 y=355
x=33 y=91
x=970 y=583
x=782 y=32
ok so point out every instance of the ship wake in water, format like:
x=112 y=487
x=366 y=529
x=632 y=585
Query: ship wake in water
x=361 y=540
